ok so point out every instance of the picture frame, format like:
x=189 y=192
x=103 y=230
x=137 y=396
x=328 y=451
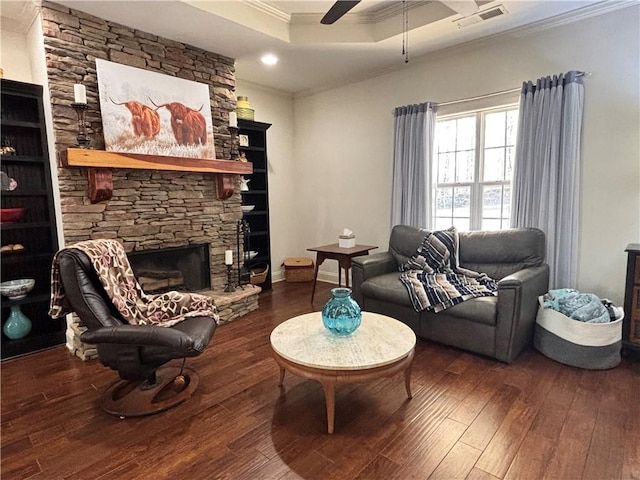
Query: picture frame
x=154 y=114
x=243 y=140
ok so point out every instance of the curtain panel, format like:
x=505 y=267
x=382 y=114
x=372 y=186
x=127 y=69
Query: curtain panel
x=414 y=129
x=546 y=178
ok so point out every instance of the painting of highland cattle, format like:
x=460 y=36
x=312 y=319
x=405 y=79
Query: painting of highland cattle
x=154 y=114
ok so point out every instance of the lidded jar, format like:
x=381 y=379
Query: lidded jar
x=341 y=315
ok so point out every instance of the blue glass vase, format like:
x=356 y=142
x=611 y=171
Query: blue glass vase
x=17 y=325
x=341 y=315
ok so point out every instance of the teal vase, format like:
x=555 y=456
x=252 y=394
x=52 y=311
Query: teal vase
x=341 y=315
x=17 y=325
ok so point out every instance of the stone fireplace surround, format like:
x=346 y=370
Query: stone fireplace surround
x=149 y=209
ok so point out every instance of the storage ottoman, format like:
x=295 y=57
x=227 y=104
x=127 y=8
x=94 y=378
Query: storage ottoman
x=595 y=346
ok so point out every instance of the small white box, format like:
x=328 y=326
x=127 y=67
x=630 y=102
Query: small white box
x=346 y=242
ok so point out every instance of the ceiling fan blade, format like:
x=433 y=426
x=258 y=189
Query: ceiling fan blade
x=337 y=10
x=463 y=7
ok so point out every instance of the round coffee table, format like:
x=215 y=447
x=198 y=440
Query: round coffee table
x=380 y=347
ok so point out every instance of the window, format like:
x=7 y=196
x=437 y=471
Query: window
x=473 y=164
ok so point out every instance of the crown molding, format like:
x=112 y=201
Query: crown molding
x=602 y=8
x=267 y=9
x=392 y=10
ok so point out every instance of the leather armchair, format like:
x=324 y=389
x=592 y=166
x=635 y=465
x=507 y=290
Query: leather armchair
x=499 y=327
x=135 y=351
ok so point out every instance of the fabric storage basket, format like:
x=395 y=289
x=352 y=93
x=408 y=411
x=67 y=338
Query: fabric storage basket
x=298 y=269
x=595 y=346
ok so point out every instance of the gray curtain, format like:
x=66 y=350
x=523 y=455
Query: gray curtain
x=413 y=127
x=546 y=178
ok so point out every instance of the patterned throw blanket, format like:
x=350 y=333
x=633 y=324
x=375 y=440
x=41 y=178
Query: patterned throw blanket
x=136 y=307
x=434 y=279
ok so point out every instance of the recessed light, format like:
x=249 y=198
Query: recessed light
x=269 y=59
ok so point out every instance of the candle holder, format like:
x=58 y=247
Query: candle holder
x=83 y=139
x=235 y=155
x=229 y=288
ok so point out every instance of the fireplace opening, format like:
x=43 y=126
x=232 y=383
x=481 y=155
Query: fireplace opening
x=181 y=268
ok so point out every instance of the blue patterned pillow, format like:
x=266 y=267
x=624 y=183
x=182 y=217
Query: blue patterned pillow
x=438 y=252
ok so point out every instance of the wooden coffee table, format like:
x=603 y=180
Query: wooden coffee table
x=380 y=347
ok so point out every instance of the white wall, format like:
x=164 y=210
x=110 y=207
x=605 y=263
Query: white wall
x=276 y=108
x=15 y=64
x=343 y=137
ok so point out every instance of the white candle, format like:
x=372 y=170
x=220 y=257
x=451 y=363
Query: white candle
x=79 y=93
x=228 y=257
x=233 y=119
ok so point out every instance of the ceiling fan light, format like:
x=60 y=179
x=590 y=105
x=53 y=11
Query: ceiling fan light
x=269 y=59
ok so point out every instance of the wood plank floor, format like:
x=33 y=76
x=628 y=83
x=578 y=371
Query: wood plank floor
x=470 y=417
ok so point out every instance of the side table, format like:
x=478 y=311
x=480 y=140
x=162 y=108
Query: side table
x=342 y=255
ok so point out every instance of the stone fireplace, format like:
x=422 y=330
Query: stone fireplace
x=149 y=209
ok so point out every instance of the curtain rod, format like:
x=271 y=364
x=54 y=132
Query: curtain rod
x=494 y=94
x=488 y=95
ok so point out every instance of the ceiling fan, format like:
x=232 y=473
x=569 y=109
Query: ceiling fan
x=341 y=7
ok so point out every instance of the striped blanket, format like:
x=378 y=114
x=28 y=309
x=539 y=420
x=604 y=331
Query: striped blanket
x=434 y=279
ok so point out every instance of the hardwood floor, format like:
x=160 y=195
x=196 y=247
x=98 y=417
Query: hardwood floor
x=470 y=417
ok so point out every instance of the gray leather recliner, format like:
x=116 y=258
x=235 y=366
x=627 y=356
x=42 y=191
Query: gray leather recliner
x=499 y=327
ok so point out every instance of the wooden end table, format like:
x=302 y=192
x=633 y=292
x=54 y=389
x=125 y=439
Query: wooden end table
x=380 y=347
x=342 y=255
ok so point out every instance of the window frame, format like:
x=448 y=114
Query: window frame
x=476 y=186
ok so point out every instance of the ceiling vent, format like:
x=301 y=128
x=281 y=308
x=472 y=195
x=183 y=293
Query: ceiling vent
x=493 y=12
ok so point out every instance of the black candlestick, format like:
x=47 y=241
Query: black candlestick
x=229 y=287
x=83 y=139
x=242 y=230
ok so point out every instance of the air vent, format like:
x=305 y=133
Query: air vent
x=493 y=12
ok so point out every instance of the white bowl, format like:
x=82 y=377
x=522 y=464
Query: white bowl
x=16 y=289
x=250 y=255
x=247 y=208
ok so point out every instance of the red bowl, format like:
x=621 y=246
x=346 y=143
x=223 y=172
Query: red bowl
x=10 y=215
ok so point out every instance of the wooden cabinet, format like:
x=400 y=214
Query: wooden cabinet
x=253 y=145
x=25 y=158
x=631 y=322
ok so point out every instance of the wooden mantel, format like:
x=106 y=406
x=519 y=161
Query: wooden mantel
x=101 y=162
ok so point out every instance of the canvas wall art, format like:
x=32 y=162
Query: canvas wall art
x=154 y=114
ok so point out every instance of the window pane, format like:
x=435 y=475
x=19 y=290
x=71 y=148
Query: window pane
x=446 y=135
x=494 y=129
x=512 y=123
x=462 y=224
x=465 y=166
x=493 y=165
x=466 y=136
x=443 y=223
x=511 y=152
x=446 y=165
x=443 y=202
x=506 y=203
x=491 y=224
x=491 y=202
x=462 y=202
